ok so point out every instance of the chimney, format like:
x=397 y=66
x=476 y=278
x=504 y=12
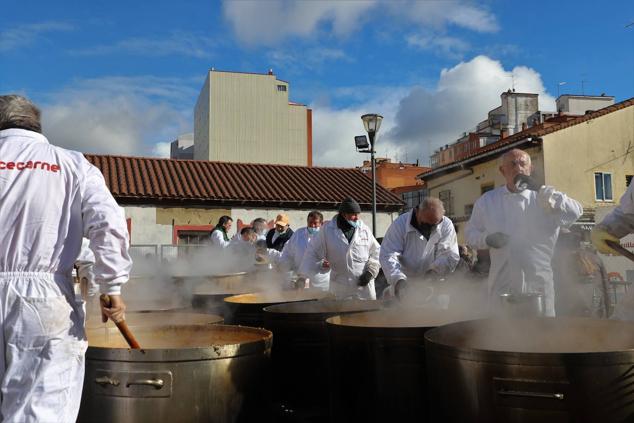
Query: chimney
x=523 y=126
x=270 y=71
x=504 y=133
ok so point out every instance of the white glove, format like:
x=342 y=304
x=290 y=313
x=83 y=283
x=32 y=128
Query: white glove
x=545 y=198
x=373 y=266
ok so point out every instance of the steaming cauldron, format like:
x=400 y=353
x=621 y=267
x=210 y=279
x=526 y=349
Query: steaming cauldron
x=246 y=309
x=160 y=318
x=378 y=364
x=300 y=352
x=193 y=373
x=534 y=370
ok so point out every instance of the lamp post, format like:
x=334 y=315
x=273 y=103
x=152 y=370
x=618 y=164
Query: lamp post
x=372 y=124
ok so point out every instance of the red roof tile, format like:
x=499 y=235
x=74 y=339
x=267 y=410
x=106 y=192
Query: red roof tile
x=141 y=180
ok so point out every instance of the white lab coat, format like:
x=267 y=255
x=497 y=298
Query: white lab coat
x=44 y=212
x=293 y=253
x=217 y=239
x=620 y=222
x=524 y=264
x=406 y=253
x=347 y=260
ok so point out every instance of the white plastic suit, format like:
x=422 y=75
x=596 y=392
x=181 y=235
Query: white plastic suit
x=406 y=253
x=347 y=260
x=49 y=199
x=531 y=220
x=293 y=253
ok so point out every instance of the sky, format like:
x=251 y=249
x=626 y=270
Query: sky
x=123 y=77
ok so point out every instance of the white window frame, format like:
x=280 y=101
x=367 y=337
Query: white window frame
x=603 y=200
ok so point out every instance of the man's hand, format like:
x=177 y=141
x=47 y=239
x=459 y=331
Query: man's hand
x=545 y=198
x=112 y=307
x=598 y=236
x=301 y=282
x=523 y=182
x=400 y=289
x=497 y=240
x=365 y=278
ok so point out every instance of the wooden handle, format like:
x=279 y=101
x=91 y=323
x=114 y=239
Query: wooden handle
x=121 y=325
x=620 y=249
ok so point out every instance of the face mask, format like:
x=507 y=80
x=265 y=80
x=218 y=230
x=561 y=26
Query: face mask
x=312 y=231
x=354 y=223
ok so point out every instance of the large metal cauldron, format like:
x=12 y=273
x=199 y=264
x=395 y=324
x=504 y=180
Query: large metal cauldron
x=300 y=352
x=377 y=367
x=194 y=373
x=160 y=318
x=534 y=370
x=246 y=309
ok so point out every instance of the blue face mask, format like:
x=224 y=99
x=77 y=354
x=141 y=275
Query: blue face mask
x=312 y=231
x=354 y=223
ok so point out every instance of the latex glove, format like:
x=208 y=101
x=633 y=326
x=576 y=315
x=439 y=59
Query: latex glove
x=523 y=182
x=599 y=235
x=365 y=278
x=497 y=240
x=400 y=289
x=113 y=310
x=545 y=198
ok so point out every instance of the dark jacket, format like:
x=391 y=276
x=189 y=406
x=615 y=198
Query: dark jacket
x=280 y=241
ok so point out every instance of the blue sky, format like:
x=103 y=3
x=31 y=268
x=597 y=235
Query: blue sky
x=122 y=77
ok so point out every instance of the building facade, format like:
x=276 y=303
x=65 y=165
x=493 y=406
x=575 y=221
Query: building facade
x=183 y=147
x=248 y=118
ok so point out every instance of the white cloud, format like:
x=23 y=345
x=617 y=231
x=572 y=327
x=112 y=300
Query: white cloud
x=161 y=149
x=177 y=43
x=419 y=120
x=24 y=35
x=118 y=115
x=270 y=22
x=448 y=46
x=427 y=119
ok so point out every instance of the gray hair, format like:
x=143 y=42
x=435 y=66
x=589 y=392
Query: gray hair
x=431 y=203
x=19 y=112
x=510 y=153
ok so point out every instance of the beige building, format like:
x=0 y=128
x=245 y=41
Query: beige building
x=590 y=158
x=248 y=118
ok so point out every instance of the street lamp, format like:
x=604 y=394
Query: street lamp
x=372 y=124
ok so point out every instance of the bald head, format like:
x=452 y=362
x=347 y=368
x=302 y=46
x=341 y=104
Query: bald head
x=430 y=211
x=513 y=163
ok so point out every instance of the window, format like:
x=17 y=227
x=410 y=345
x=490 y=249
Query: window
x=193 y=237
x=414 y=198
x=281 y=87
x=486 y=187
x=628 y=180
x=445 y=197
x=603 y=186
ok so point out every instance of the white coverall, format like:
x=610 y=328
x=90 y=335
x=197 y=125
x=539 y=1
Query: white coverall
x=49 y=199
x=620 y=222
x=293 y=253
x=532 y=221
x=217 y=239
x=406 y=253
x=347 y=260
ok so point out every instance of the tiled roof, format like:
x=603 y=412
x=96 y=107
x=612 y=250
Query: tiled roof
x=141 y=180
x=533 y=132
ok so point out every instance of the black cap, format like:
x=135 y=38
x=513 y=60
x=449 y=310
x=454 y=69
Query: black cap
x=349 y=206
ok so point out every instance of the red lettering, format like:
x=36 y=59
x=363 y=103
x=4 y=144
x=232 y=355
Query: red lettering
x=10 y=165
x=35 y=165
x=2 y=165
x=30 y=165
x=43 y=164
x=54 y=168
x=19 y=166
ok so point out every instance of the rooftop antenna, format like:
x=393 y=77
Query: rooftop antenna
x=512 y=81
x=583 y=84
x=559 y=86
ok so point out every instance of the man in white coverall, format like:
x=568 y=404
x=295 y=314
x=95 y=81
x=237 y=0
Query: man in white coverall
x=49 y=199
x=348 y=245
x=421 y=243
x=519 y=222
x=617 y=224
x=295 y=248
